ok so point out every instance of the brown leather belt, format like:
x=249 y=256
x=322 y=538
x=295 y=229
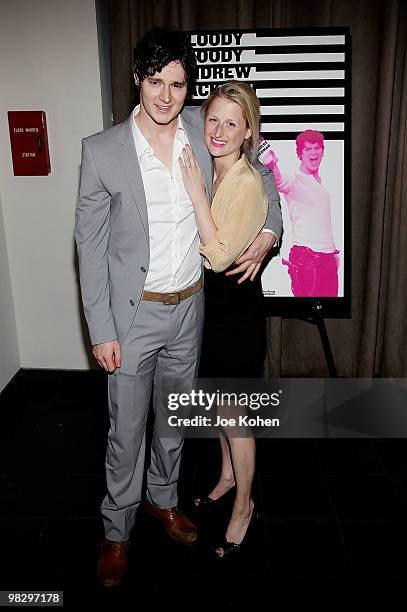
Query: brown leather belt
x=173 y=298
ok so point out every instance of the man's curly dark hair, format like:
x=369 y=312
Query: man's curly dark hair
x=160 y=46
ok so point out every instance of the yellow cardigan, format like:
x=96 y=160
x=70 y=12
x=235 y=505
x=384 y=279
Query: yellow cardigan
x=239 y=211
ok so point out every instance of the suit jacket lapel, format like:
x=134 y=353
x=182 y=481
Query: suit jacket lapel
x=195 y=137
x=129 y=160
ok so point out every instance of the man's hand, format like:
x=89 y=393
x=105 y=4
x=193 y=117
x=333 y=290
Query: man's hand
x=250 y=262
x=269 y=159
x=108 y=355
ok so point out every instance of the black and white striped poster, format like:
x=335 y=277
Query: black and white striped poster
x=302 y=79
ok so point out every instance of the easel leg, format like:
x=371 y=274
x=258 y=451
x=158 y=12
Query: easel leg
x=320 y=323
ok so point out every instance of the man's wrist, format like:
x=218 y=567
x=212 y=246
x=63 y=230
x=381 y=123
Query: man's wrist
x=266 y=230
x=103 y=342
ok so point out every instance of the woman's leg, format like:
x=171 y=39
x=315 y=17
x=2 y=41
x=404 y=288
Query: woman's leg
x=226 y=479
x=243 y=453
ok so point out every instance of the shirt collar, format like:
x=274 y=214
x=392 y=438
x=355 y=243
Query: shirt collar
x=142 y=146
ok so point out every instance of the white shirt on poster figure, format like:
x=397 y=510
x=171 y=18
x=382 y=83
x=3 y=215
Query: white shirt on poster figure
x=313 y=261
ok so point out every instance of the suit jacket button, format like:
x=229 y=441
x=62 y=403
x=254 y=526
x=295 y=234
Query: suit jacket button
x=142 y=269
x=131 y=303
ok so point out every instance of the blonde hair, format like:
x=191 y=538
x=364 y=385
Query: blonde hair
x=241 y=93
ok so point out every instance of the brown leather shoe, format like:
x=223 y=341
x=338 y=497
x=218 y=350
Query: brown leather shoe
x=112 y=562
x=177 y=525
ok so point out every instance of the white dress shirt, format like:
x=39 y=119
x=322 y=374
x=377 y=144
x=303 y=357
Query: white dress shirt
x=175 y=261
x=310 y=211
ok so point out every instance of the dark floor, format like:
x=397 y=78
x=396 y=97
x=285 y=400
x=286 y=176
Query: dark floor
x=332 y=511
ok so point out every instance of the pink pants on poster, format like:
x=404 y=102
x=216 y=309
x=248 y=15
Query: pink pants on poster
x=312 y=274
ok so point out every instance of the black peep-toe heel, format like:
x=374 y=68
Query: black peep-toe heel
x=231 y=548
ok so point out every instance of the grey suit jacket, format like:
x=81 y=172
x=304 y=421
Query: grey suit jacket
x=111 y=224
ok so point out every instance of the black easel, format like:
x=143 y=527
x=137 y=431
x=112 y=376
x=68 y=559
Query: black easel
x=317 y=319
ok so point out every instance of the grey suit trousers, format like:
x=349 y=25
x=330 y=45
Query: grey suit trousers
x=162 y=344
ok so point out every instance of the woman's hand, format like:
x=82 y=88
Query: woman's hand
x=195 y=186
x=192 y=176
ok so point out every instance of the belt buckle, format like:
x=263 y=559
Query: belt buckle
x=172 y=299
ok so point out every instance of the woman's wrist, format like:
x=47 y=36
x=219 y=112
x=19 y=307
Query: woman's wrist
x=200 y=201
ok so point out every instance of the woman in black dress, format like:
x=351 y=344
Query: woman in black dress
x=234 y=331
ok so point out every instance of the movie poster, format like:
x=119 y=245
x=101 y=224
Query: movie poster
x=301 y=78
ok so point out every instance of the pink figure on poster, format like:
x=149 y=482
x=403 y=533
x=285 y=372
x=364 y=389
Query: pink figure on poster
x=313 y=259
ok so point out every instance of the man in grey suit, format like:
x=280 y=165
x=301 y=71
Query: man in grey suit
x=140 y=273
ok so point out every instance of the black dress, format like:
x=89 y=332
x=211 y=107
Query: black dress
x=234 y=336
